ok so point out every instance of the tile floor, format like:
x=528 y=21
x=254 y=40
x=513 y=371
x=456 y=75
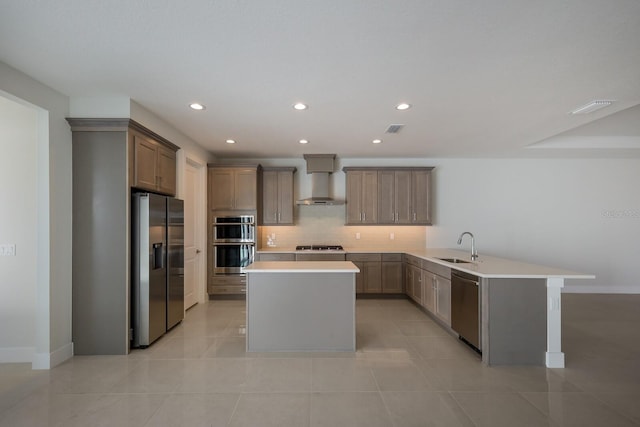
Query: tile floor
x=406 y=372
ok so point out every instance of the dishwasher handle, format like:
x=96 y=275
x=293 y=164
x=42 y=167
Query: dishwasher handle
x=466 y=277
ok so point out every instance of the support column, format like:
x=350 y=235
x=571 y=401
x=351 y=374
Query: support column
x=554 y=355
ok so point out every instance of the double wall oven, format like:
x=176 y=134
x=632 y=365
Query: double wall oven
x=234 y=241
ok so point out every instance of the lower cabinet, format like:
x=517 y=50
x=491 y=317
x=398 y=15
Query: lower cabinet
x=232 y=284
x=443 y=299
x=429 y=284
x=369 y=280
x=416 y=285
x=392 y=274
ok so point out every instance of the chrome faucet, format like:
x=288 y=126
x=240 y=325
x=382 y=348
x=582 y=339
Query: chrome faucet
x=474 y=253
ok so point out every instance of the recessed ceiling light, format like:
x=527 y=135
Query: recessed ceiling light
x=300 y=106
x=592 y=106
x=403 y=106
x=303 y=141
x=230 y=141
x=377 y=141
x=196 y=106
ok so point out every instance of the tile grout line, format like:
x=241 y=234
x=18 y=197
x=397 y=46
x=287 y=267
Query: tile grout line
x=386 y=406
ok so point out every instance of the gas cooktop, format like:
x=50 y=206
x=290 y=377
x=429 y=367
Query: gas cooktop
x=319 y=248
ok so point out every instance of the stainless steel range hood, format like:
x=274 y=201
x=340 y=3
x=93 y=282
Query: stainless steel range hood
x=320 y=166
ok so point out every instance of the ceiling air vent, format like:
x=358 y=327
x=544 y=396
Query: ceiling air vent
x=592 y=106
x=394 y=128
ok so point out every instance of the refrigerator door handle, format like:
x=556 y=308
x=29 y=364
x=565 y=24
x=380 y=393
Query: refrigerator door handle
x=158 y=256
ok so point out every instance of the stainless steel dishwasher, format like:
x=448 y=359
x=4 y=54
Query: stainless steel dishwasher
x=465 y=307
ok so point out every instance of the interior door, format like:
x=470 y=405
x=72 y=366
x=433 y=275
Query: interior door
x=192 y=255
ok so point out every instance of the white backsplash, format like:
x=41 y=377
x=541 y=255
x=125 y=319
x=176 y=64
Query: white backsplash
x=320 y=225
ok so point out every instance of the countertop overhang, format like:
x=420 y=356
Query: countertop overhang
x=302 y=267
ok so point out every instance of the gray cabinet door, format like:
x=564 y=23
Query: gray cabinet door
x=362 y=197
x=144 y=163
x=354 y=197
x=270 y=201
x=166 y=171
x=221 y=189
x=443 y=299
x=429 y=291
x=391 y=277
x=386 y=196
x=369 y=194
x=277 y=196
x=420 y=200
x=285 y=197
x=372 y=277
x=416 y=284
x=245 y=189
x=402 y=197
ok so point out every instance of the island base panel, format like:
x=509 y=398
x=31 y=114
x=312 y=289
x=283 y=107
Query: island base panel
x=301 y=312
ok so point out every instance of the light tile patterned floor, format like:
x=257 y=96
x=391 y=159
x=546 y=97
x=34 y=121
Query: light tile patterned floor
x=407 y=371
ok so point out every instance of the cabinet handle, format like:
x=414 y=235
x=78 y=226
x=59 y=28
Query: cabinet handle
x=415 y=218
x=360 y=216
x=364 y=216
x=279 y=216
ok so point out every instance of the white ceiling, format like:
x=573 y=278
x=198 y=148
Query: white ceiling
x=486 y=78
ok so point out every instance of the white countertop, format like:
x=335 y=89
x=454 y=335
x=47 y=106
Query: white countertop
x=484 y=266
x=494 y=267
x=302 y=267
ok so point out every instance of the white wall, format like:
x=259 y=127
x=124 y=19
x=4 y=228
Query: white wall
x=18 y=225
x=53 y=283
x=578 y=214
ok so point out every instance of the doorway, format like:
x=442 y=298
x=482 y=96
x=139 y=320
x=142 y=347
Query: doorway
x=194 y=232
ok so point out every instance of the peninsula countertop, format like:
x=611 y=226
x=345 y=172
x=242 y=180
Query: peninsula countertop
x=485 y=266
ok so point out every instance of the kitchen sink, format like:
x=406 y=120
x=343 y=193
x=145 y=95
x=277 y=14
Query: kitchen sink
x=455 y=260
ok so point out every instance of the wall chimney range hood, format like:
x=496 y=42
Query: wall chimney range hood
x=320 y=166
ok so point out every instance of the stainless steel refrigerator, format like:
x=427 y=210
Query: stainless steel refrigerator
x=157 y=297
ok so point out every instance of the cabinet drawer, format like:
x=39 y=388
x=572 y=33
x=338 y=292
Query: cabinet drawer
x=320 y=257
x=392 y=257
x=438 y=269
x=230 y=280
x=412 y=260
x=228 y=290
x=364 y=257
x=276 y=257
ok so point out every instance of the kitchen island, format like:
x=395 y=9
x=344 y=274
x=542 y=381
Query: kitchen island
x=301 y=306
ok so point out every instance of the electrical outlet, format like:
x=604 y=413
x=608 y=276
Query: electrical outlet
x=8 y=250
x=392 y=236
x=357 y=236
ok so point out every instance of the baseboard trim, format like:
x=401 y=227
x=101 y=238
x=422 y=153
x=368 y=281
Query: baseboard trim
x=53 y=359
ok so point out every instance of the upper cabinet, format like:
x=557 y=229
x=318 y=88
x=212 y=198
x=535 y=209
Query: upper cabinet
x=403 y=196
x=153 y=165
x=233 y=188
x=362 y=196
x=277 y=195
x=399 y=196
